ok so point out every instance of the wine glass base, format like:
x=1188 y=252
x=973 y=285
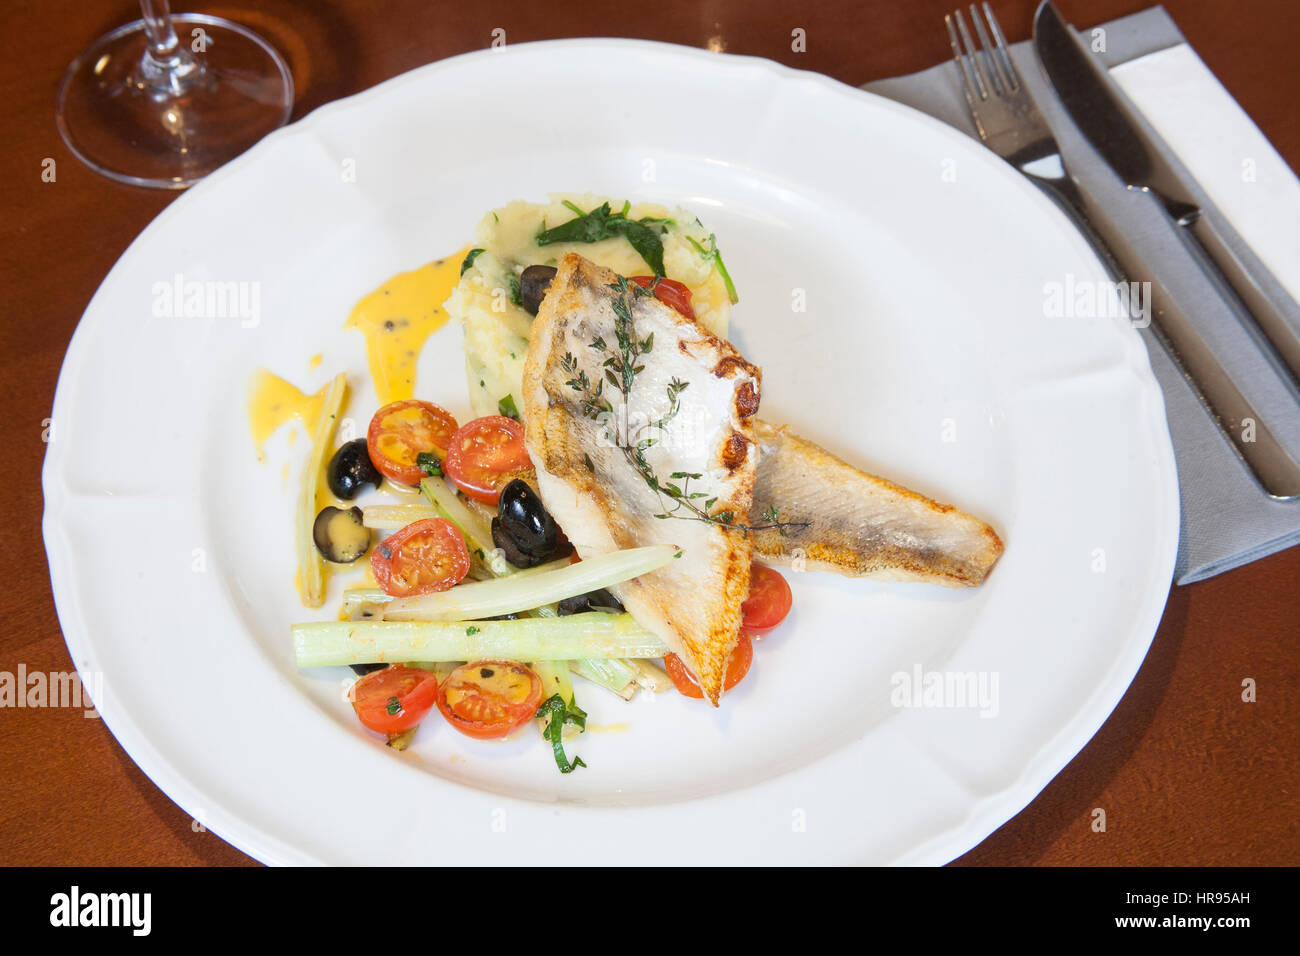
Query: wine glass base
x=124 y=118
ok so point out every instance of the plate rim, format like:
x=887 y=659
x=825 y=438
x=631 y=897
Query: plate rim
x=251 y=837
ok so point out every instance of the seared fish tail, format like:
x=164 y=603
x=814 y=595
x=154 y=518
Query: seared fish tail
x=860 y=525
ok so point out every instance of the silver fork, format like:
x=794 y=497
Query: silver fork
x=1007 y=118
x=1010 y=123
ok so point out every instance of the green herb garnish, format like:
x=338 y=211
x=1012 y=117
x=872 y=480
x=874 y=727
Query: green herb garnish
x=469 y=260
x=507 y=408
x=557 y=713
x=602 y=223
x=471 y=631
x=515 y=296
x=712 y=254
x=394 y=706
x=429 y=464
x=621 y=368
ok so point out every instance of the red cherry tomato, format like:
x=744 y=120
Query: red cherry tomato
x=401 y=431
x=425 y=556
x=482 y=452
x=768 y=602
x=394 y=699
x=737 y=667
x=490 y=699
x=668 y=291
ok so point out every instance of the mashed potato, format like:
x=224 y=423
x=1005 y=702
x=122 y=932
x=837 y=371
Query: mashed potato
x=496 y=328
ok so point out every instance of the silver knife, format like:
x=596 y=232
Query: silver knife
x=1110 y=122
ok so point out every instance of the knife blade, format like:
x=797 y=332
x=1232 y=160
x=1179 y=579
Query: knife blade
x=1116 y=130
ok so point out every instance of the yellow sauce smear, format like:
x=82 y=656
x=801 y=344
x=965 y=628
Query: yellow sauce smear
x=398 y=317
x=272 y=402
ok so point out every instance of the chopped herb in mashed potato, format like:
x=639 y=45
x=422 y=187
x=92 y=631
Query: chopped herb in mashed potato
x=630 y=238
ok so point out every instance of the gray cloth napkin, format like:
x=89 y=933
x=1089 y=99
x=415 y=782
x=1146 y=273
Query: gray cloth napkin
x=1227 y=519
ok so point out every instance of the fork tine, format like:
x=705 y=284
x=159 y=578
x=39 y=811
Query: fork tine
x=1000 y=84
x=972 y=54
x=1013 y=78
x=962 y=66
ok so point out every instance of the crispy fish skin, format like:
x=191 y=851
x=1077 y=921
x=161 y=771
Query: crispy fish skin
x=603 y=502
x=861 y=525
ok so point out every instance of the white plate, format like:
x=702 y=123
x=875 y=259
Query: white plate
x=923 y=260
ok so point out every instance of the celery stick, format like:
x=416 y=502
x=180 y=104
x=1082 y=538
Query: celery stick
x=356 y=596
x=593 y=634
x=395 y=517
x=650 y=676
x=613 y=674
x=523 y=592
x=311 y=566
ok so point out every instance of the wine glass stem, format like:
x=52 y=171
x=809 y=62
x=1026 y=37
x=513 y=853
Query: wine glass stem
x=166 y=62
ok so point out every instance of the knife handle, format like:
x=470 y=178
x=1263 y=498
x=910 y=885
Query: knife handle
x=1270 y=319
x=1257 y=447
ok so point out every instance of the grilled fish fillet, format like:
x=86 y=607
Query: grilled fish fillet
x=860 y=525
x=602 y=498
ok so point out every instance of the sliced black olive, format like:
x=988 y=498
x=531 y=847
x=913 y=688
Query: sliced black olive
x=526 y=521
x=350 y=468
x=533 y=284
x=502 y=539
x=363 y=669
x=600 y=600
x=339 y=535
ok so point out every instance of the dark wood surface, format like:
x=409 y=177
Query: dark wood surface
x=1186 y=772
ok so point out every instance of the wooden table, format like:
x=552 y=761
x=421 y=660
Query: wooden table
x=1186 y=772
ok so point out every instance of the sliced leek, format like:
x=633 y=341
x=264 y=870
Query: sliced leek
x=590 y=635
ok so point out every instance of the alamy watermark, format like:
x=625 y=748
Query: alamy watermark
x=182 y=298
x=1076 y=298
x=688 y=426
x=54 y=689
x=75 y=908
x=943 y=690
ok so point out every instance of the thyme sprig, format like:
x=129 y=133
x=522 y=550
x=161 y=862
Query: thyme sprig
x=621 y=367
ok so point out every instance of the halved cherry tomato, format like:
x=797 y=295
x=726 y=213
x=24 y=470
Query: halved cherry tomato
x=425 y=556
x=490 y=699
x=394 y=699
x=482 y=452
x=401 y=431
x=768 y=602
x=737 y=667
x=668 y=291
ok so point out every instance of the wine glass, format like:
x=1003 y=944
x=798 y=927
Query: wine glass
x=146 y=107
